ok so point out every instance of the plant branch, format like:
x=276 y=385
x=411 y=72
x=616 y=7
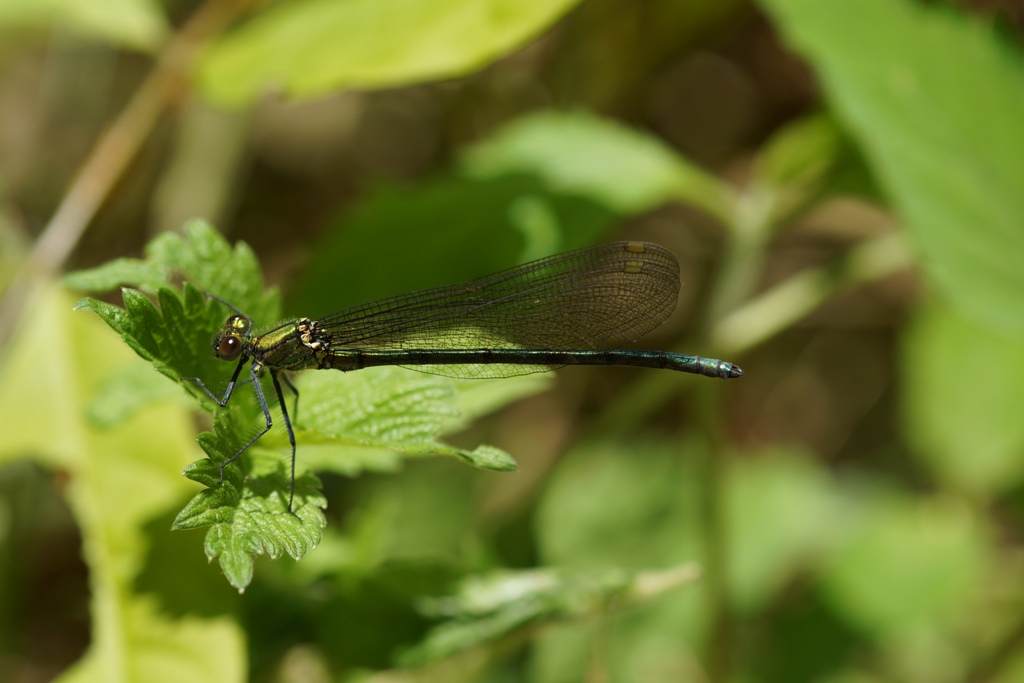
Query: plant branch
x=788 y=302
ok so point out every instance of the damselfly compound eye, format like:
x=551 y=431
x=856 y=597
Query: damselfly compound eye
x=228 y=348
x=237 y=322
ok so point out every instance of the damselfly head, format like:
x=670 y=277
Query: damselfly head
x=229 y=343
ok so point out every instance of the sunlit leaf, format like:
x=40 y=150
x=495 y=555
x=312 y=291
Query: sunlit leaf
x=907 y=566
x=936 y=102
x=628 y=504
x=166 y=650
x=115 y=481
x=148 y=276
x=135 y=23
x=128 y=391
x=392 y=408
x=248 y=514
x=964 y=391
x=620 y=504
x=312 y=47
x=782 y=514
x=578 y=153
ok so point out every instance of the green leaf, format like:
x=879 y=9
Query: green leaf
x=639 y=503
x=206 y=260
x=175 y=336
x=121 y=321
x=506 y=604
x=203 y=258
x=477 y=397
x=545 y=184
x=116 y=482
x=936 y=103
x=955 y=367
x=346 y=458
x=781 y=515
x=780 y=511
x=392 y=241
x=248 y=513
x=162 y=337
x=247 y=510
x=630 y=505
x=126 y=392
x=800 y=151
x=423 y=514
x=148 y=644
x=578 y=153
x=147 y=275
x=134 y=23
x=313 y=47
x=907 y=566
x=390 y=408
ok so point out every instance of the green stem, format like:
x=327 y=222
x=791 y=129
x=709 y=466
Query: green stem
x=750 y=230
x=791 y=300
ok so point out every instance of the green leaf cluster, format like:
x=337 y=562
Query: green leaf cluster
x=311 y=47
x=347 y=424
x=891 y=556
x=119 y=474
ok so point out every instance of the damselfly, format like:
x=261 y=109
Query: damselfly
x=567 y=309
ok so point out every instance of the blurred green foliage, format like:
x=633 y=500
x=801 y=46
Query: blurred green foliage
x=851 y=510
x=313 y=47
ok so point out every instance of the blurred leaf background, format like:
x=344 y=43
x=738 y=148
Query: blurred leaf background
x=841 y=183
